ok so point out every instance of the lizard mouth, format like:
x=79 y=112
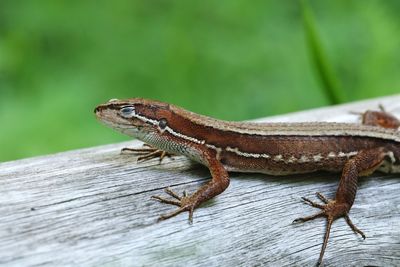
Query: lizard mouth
x=123 y=124
x=111 y=117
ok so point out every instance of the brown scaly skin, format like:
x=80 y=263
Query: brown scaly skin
x=277 y=149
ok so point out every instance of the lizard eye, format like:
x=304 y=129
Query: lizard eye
x=127 y=111
x=162 y=123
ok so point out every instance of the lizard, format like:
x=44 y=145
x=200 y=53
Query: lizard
x=354 y=150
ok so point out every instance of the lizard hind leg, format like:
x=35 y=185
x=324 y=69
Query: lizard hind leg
x=364 y=163
x=380 y=118
x=331 y=210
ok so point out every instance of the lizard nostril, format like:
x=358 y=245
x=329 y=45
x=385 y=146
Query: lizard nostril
x=97 y=109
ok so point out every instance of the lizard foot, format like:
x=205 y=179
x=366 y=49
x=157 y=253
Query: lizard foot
x=184 y=202
x=331 y=209
x=148 y=153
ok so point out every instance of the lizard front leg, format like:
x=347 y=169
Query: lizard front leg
x=364 y=163
x=218 y=183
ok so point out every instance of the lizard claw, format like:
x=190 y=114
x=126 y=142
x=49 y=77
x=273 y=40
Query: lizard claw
x=184 y=202
x=148 y=153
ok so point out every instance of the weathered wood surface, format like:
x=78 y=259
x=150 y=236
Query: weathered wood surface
x=92 y=207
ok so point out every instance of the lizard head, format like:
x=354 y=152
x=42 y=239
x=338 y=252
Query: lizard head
x=135 y=117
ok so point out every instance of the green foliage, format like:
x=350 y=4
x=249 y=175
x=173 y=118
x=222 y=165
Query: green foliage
x=325 y=70
x=229 y=59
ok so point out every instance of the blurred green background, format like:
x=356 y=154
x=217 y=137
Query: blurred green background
x=231 y=59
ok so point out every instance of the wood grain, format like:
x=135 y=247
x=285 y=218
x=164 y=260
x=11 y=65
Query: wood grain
x=92 y=207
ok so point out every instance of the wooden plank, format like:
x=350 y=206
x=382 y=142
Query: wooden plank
x=92 y=207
